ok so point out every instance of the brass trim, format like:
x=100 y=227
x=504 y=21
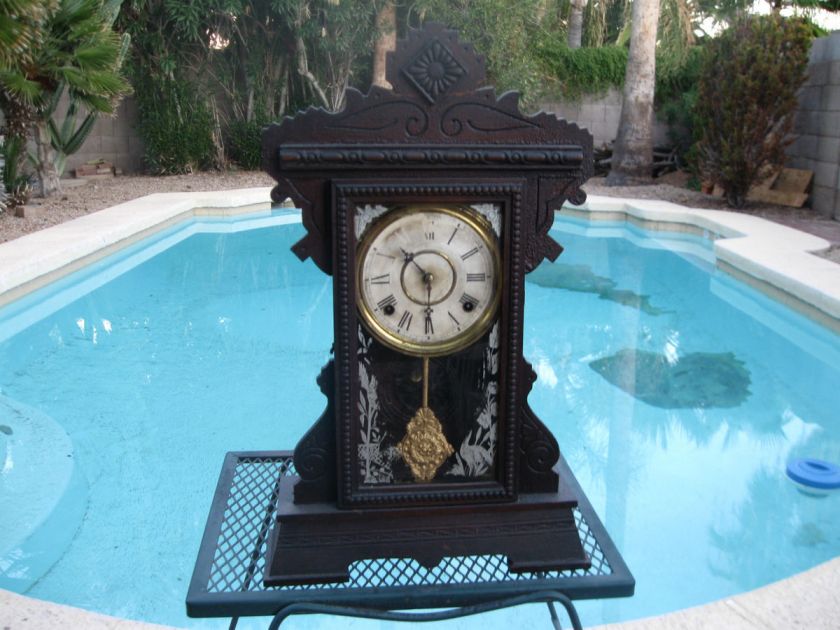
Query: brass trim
x=466 y=337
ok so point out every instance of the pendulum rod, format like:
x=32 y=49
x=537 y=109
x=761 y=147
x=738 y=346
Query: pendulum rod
x=425 y=381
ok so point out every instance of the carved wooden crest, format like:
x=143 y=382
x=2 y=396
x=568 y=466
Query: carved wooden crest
x=438 y=119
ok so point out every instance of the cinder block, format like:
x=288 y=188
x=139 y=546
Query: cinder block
x=91 y=146
x=825 y=174
x=805 y=146
x=818 y=73
x=832 y=50
x=828 y=149
x=104 y=126
x=135 y=145
x=108 y=144
x=810 y=97
x=822 y=199
x=813 y=123
x=828 y=124
x=613 y=98
x=122 y=145
x=818 y=49
x=830 y=100
x=593 y=112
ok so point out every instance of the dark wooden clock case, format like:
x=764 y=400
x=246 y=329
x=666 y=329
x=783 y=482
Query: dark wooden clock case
x=436 y=138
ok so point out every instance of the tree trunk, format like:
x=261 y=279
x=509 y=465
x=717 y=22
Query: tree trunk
x=48 y=181
x=576 y=23
x=632 y=160
x=386 y=24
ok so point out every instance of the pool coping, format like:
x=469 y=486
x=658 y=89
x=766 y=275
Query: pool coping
x=776 y=259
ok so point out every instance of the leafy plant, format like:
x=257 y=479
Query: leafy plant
x=676 y=98
x=74 y=48
x=16 y=186
x=747 y=98
x=582 y=70
x=176 y=126
x=244 y=143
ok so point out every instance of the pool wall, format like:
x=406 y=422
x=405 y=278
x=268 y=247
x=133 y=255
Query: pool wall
x=36 y=259
x=776 y=259
x=773 y=258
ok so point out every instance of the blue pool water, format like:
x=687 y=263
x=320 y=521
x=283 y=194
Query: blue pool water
x=677 y=396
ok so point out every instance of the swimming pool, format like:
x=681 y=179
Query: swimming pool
x=677 y=396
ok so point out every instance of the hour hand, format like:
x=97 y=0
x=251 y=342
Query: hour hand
x=409 y=257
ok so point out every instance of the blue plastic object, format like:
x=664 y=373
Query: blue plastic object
x=814 y=473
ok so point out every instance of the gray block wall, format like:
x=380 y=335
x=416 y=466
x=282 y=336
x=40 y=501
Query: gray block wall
x=817 y=126
x=114 y=139
x=600 y=115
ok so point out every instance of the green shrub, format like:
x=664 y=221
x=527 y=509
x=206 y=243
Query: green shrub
x=582 y=71
x=243 y=143
x=176 y=126
x=16 y=185
x=747 y=98
x=676 y=98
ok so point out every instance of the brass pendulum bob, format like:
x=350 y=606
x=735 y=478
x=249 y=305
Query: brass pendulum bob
x=424 y=446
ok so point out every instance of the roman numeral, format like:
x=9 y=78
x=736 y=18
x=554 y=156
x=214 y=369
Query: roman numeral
x=405 y=321
x=430 y=236
x=468 y=299
x=388 y=301
x=385 y=278
x=430 y=329
x=452 y=317
x=454 y=232
x=466 y=255
x=476 y=277
x=385 y=255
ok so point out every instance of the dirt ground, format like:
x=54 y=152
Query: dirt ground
x=77 y=200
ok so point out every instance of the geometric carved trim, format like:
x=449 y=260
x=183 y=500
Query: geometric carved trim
x=372 y=535
x=300 y=156
x=434 y=70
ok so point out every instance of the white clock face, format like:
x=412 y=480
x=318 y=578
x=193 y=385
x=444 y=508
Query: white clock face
x=428 y=279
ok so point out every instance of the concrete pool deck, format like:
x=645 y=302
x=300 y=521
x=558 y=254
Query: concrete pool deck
x=809 y=600
x=774 y=258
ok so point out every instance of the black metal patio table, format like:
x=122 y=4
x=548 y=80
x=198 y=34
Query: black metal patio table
x=227 y=580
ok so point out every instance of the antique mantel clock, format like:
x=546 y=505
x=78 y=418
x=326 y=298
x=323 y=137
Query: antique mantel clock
x=427 y=204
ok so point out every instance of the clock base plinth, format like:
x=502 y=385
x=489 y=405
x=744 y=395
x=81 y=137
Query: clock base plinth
x=317 y=543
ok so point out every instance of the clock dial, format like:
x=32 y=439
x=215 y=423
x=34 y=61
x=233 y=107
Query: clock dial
x=428 y=279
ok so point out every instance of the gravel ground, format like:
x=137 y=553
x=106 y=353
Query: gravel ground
x=78 y=200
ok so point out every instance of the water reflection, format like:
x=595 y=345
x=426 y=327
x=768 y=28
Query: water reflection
x=698 y=380
x=581 y=279
x=796 y=536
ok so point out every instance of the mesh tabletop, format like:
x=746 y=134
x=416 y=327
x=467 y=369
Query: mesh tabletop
x=228 y=575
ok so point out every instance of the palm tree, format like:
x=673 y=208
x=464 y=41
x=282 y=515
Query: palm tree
x=76 y=50
x=633 y=152
x=386 y=41
x=576 y=22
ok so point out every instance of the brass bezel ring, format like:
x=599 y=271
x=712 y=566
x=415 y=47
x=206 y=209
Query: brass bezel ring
x=466 y=337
